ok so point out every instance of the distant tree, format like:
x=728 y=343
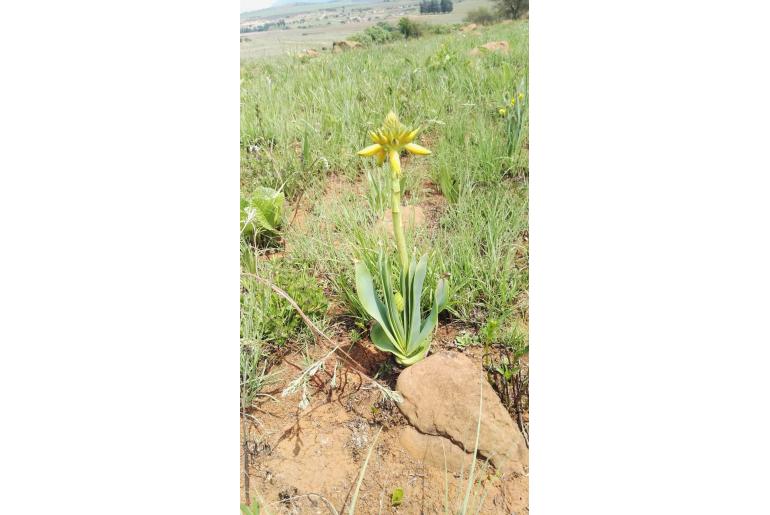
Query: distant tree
x=446 y=6
x=512 y=9
x=435 y=6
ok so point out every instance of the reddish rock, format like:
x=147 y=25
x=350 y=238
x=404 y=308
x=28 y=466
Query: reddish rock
x=441 y=398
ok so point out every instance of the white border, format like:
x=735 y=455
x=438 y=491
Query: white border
x=119 y=317
x=649 y=257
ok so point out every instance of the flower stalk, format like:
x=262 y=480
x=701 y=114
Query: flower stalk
x=395 y=207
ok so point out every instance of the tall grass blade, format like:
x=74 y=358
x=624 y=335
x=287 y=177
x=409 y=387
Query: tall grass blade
x=475 y=448
x=354 y=500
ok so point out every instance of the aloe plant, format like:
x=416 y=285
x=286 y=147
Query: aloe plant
x=399 y=327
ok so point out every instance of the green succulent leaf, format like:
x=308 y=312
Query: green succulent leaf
x=414 y=358
x=399 y=328
x=394 y=317
x=368 y=297
x=381 y=340
x=419 y=278
x=429 y=324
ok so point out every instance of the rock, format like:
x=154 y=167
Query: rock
x=468 y=28
x=497 y=46
x=441 y=398
x=501 y=47
x=310 y=52
x=411 y=217
x=433 y=450
x=339 y=46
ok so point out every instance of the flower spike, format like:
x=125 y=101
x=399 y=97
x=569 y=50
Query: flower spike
x=393 y=136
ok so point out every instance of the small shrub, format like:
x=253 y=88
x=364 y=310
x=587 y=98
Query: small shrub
x=409 y=28
x=378 y=34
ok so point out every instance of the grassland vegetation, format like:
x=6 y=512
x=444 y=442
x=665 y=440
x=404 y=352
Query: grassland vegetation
x=268 y=320
x=406 y=28
x=297 y=27
x=379 y=34
x=301 y=125
x=482 y=16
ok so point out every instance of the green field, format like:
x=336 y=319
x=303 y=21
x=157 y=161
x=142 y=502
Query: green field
x=302 y=122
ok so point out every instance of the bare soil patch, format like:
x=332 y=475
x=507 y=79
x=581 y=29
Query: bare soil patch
x=300 y=460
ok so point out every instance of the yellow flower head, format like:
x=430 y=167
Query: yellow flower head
x=513 y=101
x=392 y=136
x=521 y=96
x=502 y=111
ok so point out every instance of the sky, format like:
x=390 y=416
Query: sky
x=253 y=5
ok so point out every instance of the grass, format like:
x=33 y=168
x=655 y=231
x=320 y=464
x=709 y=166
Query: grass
x=481 y=245
x=354 y=500
x=302 y=122
x=328 y=103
